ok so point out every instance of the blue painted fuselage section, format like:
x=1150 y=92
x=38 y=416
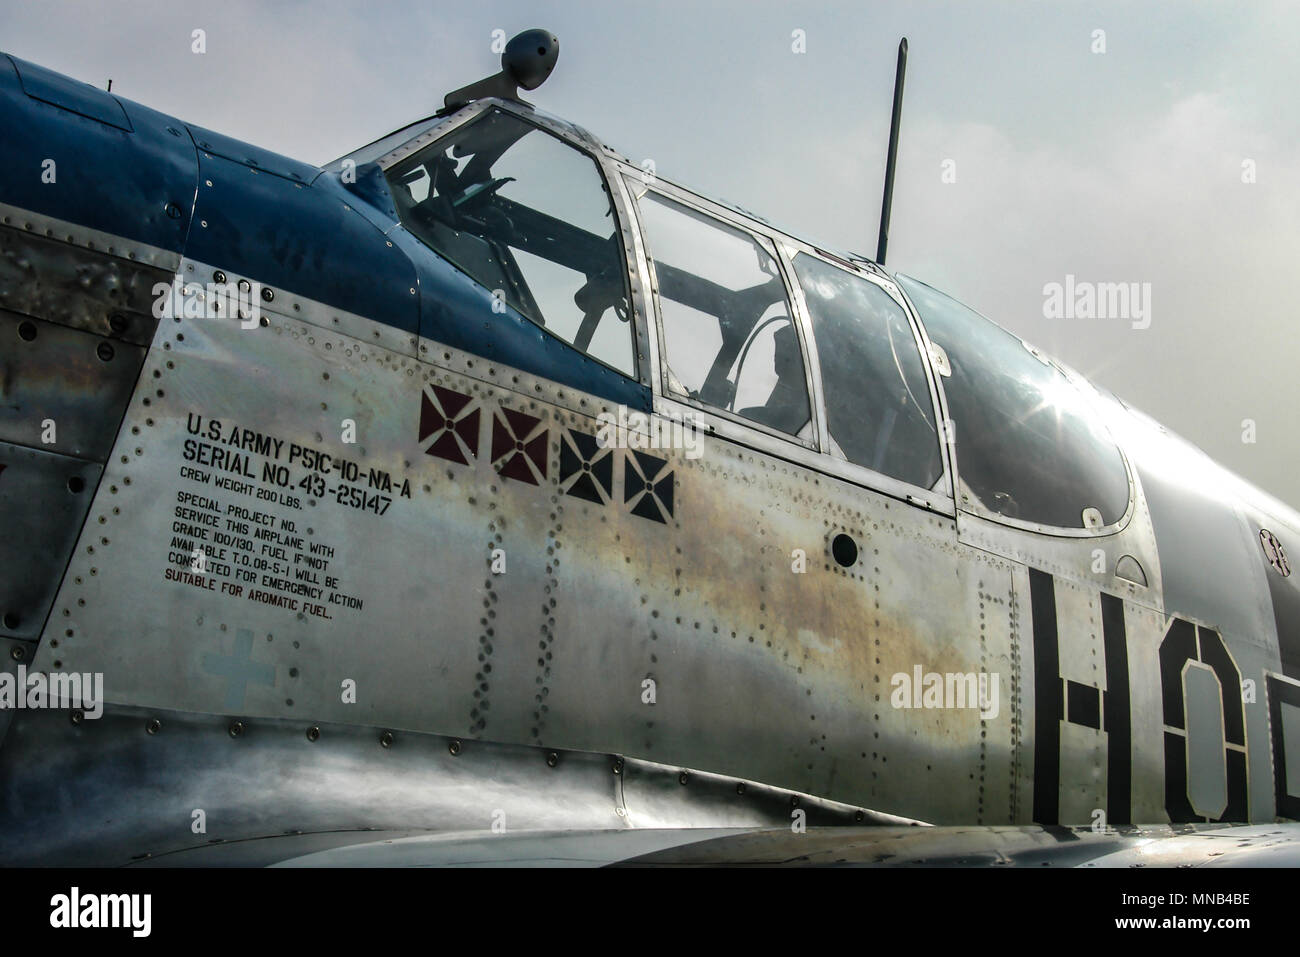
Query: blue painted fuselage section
x=78 y=154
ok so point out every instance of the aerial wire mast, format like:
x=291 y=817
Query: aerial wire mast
x=892 y=160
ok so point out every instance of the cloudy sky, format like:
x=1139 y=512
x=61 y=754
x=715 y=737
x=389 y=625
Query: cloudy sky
x=1126 y=165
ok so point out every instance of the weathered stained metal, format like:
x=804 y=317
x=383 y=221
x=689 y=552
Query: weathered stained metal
x=63 y=390
x=272 y=779
x=44 y=498
x=47 y=272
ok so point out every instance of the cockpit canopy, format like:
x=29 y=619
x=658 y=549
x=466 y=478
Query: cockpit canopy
x=761 y=331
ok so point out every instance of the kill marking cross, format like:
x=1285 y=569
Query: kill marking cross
x=239 y=669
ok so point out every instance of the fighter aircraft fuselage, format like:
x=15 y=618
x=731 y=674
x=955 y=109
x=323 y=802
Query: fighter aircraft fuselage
x=484 y=481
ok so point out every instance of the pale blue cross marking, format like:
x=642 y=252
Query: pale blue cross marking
x=239 y=669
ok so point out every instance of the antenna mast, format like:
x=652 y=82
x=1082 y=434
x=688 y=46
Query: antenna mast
x=893 y=153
